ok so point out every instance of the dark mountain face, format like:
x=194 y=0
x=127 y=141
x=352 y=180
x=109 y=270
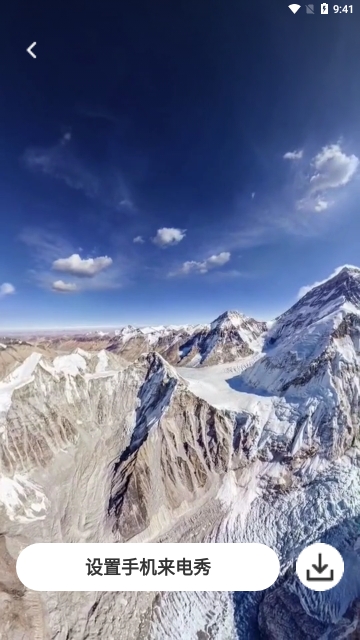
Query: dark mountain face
x=318 y=303
x=346 y=285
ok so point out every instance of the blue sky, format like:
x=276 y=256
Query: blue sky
x=161 y=163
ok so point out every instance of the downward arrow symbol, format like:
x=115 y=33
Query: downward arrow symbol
x=320 y=568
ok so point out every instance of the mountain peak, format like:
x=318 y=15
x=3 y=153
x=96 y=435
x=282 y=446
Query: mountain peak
x=340 y=275
x=351 y=269
x=328 y=300
x=346 y=272
x=128 y=329
x=228 y=319
x=343 y=286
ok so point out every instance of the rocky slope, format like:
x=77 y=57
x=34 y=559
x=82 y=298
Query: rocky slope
x=265 y=449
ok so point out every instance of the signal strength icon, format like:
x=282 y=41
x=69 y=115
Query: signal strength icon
x=294 y=7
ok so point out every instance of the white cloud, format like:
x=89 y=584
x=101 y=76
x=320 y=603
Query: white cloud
x=333 y=168
x=6 y=289
x=308 y=287
x=321 y=204
x=293 y=155
x=330 y=169
x=168 y=236
x=194 y=266
x=217 y=261
x=139 y=240
x=82 y=268
x=48 y=250
x=63 y=287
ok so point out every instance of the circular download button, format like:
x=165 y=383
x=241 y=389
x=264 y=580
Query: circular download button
x=320 y=567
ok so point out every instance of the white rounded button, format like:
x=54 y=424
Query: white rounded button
x=320 y=567
x=148 y=567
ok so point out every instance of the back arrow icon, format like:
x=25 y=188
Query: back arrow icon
x=29 y=49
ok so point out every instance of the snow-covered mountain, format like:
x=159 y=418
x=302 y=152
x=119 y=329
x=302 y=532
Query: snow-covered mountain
x=312 y=359
x=131 y=342
x=263 y=447
x=329 y=300
x=231 y=336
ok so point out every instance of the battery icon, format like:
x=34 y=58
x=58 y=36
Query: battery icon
x=324 y=8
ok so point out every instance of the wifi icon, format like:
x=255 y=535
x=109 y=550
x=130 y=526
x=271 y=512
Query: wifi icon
x=294 y=7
